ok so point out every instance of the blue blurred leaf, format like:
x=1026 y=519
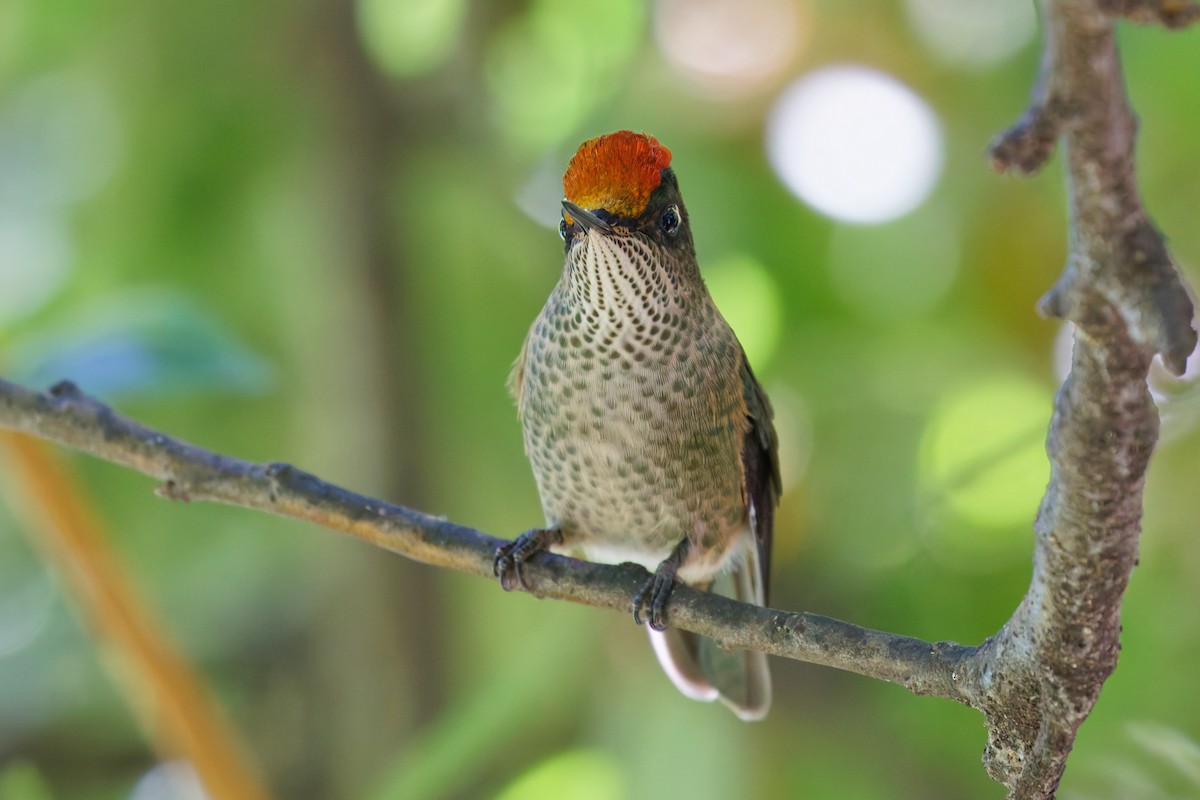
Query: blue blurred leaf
x=143 y=341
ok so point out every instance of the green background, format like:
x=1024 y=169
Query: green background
x=291 y=231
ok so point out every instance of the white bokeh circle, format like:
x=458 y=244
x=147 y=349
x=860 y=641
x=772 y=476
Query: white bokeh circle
x=855 y=143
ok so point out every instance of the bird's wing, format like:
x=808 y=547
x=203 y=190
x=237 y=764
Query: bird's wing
x=760 y=469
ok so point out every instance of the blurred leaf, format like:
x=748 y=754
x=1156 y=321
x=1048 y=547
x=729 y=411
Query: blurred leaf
x=1171 y=746
x=142 y=341
x=749 y=300
x=549 y=70
x=60 y=141
x=35 y=260
x=410 y=37
x=574 y=775
x=463 y=742
x=983 y=453
x=22 y=781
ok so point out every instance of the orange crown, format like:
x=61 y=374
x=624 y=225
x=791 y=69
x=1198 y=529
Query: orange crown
x=616 y=172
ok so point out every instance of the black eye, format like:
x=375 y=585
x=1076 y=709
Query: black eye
x=562 y=229
x=669 y=221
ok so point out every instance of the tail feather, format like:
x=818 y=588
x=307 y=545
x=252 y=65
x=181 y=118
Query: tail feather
x=677 y=653
x=702 y=670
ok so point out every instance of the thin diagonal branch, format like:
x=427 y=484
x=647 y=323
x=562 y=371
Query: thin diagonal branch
x=69 y=417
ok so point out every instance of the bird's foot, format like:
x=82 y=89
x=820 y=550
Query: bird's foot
x=511 y=556
x=657 y=591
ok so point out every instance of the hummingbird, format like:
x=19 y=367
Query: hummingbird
x=650 y=439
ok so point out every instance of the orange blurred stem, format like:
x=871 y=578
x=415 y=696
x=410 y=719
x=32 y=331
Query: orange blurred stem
x=177 y=713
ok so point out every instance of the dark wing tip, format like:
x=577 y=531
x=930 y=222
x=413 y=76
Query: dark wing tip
x=760 y=467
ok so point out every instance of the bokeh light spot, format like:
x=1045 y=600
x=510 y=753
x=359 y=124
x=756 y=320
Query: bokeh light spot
x=973 y=32
x=410 y=37
x=1063 y=350
x=35 y=257
x=794 y=426
x=171 y=780
x=25 y=605
x=855 y=144
x=748 y=298
x=726 y=47
x=549 y=68
x=60 y=142
x=1175 y=393
x=895 y=271
x=983 y=459
x=540 y=196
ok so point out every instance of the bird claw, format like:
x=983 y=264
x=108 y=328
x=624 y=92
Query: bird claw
x=511 y=556
x=654 y=596
x=507 y=568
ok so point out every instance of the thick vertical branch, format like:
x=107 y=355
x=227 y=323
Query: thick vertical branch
x=1043 y=672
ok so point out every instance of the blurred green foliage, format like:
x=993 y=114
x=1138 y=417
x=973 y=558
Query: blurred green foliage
x=317 y=232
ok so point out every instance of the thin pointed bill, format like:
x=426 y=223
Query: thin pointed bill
x=586 y=219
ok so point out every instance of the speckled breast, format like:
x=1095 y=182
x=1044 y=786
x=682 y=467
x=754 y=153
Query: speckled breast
x=632 y=408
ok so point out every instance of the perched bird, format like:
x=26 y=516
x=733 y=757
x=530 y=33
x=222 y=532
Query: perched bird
x=650 y=438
